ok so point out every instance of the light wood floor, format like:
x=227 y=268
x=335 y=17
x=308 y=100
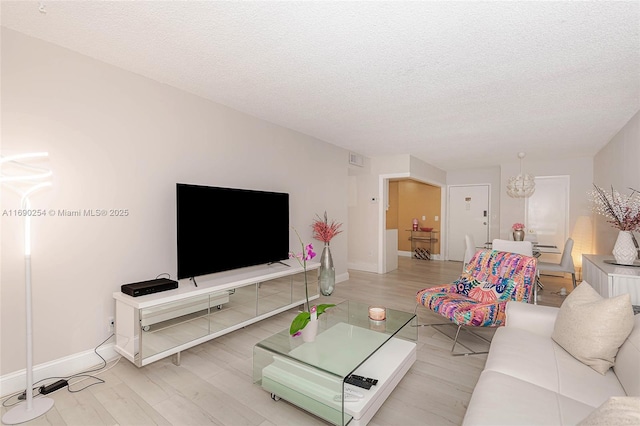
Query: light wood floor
x=213 y=384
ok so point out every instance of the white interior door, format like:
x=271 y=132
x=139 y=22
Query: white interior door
x=468 y=214
x=547 y=212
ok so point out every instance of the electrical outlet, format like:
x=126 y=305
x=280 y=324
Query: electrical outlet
x=111 y=324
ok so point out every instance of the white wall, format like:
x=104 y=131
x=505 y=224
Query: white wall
x=366 y=218
x=489 y=175
x=363 y=219
x=507 y=210
x=118 y=140
x=580 y=172
x=617 y=165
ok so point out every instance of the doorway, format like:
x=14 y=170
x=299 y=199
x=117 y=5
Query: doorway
x=468 y=208
x=384 y=207
x=410 y=200
x=547 y=212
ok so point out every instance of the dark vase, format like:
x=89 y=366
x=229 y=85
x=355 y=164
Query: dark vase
x=518 y=235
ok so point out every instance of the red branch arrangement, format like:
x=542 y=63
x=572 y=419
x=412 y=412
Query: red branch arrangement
x=323 y=230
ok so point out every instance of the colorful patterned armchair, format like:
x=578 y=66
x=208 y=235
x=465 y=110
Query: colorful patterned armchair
x=479 y=297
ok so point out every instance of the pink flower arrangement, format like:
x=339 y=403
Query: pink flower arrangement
x=306 y=254
x=323 y=230
x=517 y=226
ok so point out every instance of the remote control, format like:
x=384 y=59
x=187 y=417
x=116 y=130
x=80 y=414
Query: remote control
x=356 y=382
x=349 y=391
x=366 y=379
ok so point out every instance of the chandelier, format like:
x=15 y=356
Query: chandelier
x=523 y=185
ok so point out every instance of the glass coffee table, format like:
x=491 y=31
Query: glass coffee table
x=312 y=375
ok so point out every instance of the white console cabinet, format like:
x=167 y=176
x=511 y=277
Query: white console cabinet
x=152 y=327
x=611 y=280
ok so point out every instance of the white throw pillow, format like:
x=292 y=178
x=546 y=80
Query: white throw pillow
x=592 y=328
x=616 y=411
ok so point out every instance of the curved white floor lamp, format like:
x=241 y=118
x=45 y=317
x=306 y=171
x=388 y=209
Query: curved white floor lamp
x=26 y=180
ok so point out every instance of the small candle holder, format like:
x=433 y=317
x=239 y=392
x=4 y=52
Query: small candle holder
x=377 y=313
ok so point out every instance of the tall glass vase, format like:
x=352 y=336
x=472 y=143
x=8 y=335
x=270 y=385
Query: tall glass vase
x=327 y=272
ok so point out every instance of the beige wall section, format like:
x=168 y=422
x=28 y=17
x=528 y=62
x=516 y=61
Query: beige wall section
x=617 y=165
x=119 y=140
x=415 y=200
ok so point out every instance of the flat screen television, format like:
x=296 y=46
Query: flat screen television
x=220 y=229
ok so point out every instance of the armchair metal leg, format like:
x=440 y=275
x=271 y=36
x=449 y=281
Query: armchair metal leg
x=455 y=340
x=469 y=351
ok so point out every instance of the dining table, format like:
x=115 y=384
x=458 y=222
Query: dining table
x=538 y=249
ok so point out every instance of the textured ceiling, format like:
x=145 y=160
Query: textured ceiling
x=456 y=84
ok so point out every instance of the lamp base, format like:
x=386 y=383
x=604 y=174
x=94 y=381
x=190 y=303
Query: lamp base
x=20 y=414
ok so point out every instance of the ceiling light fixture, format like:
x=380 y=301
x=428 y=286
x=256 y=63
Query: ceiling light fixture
x=523 y=185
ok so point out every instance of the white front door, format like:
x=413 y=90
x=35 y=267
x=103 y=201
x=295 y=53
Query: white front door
x=468 y=214
x=547 y=219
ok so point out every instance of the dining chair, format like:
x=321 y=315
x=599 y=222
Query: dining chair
x=566 y=262
x=520 y=247
x=469 y=250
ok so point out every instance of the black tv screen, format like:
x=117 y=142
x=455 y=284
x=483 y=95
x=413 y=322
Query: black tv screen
x=220 y=229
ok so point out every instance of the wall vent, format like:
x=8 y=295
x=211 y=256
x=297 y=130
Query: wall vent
x=356 y=159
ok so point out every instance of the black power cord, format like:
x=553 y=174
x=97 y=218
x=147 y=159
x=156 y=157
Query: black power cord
x=62 y=381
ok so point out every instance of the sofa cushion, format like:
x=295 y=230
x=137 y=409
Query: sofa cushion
x=592 y=328
x=537 y=319
x=539 y=360
x=627 y=366
x=616 y=411
x=502 y=400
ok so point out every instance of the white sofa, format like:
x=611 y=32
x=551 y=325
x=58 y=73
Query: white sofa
x=530 y=380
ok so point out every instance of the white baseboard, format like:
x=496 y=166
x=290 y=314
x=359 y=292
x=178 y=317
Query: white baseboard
x=63 y=367
x=366 y=267
x=342 y=277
